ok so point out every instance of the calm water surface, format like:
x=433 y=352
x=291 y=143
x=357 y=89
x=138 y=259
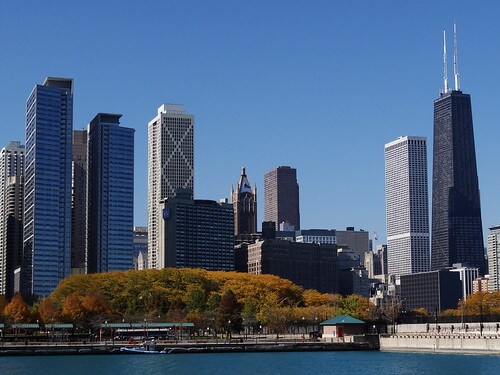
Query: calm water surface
x=256 y=363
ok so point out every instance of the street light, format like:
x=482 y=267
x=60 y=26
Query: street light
x=461 y=302
x=105 y=329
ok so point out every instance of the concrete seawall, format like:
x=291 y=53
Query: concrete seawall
x=181 y=348
x=441 y=343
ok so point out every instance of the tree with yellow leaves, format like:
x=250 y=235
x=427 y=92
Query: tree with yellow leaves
x=17 y=310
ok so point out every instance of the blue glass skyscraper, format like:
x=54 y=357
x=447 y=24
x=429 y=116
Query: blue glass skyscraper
x=47 y=198
x=110 y=194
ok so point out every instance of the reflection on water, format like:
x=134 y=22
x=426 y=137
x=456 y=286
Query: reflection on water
x=256 y=363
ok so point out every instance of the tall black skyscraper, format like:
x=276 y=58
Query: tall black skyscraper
x=457 y=235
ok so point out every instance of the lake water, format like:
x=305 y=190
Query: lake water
x=256 y=363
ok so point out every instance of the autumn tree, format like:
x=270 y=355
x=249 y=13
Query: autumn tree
x=72 y=308
x=48 y=311
x=229 y=314
x=18 y=310
x=3 y=304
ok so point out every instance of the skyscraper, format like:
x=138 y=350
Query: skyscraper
x=170 y=165
x=244 y=200
x=197 y=233
x=407 y=207
x=457 y=235
x=494 y=259
x=281 y=196
x=11 y=214
x=79 y=203
x=110 y=194
x=47 y=194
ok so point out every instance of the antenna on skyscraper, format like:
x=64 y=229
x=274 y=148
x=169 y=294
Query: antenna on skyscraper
x=445 y=73
x=455 y=57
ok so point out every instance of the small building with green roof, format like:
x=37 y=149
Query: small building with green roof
x=342 y=325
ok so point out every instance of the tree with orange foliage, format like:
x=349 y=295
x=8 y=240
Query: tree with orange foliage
x=3 y=304
x=48 y=311
x=95 y=303
x=72 y=307
x=18 y=310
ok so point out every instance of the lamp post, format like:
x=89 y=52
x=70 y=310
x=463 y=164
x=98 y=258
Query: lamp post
x=145 y=328
x=105 y=329
x=481 y=318
x=461 y=302
x=229 y=329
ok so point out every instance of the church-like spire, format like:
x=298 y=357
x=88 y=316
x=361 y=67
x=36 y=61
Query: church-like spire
x=243 y=184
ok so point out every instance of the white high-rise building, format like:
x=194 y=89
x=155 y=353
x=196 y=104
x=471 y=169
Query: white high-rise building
x=407 y=205
x=494 y=259
x=170 y=167
x=11 y=209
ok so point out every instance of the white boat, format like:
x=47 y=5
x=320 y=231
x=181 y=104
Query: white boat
x=148 y=347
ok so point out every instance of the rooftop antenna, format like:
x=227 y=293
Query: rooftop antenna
x=455 y=57
x=445 y=73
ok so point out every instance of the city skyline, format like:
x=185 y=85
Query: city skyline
x=294 y=77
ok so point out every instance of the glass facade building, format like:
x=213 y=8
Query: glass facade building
x=457 y=235
x=47 y=197
x=79 y=203
x=196 y=233
x=110 y=194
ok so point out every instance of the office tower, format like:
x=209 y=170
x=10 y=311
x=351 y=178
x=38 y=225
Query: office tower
x=244 y=200
x=407 y=207
x=196 y=233
x=356 y=240
x=434 y=291
x=281 y=197
x=457 y=235
x=47 y=189
x=312 y=266
x=494 y=259
x=11 y=214
x=140 y=248
x=110 y=194
x=79 y=203
x=170 y=165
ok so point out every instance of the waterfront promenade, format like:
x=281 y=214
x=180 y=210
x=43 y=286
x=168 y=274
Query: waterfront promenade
x=472 y=338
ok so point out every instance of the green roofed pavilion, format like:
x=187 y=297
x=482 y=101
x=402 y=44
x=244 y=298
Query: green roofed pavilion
x=341 y=319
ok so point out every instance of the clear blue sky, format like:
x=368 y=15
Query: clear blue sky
x=318 y=85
